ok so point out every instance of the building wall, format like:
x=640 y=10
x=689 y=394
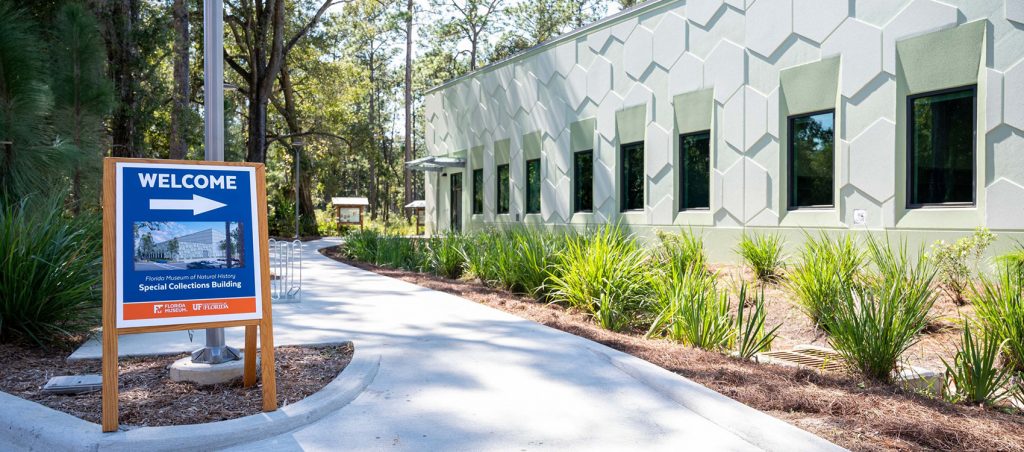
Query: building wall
x=741 y=68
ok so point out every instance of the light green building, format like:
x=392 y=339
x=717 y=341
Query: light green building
x=904 y=116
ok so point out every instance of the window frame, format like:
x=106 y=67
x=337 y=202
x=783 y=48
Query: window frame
x=973 y=88
x=683 y=171
x=498 y=192
x=477 y=187
x=623 y=195
x=790 y=174
x=575 y=183
x=540 y=184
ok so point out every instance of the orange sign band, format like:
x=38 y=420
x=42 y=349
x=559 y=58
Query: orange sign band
x=189 y=308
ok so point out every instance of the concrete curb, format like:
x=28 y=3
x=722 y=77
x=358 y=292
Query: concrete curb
x=755 y=427
x=32 y=426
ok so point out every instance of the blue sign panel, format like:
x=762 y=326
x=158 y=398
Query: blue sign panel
x=186 y=244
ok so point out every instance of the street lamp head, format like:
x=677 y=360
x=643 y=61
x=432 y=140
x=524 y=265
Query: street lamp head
x=297 y=142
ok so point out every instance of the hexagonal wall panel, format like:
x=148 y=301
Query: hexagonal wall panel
x=576 y=87
x=669 y=40
x=1007 y=195
x=1013 y=112
x=636 y=56
x=860 y=45
x=686 y=75
x=870 y=152
x=1014 y=10
x=769 y=23
x=726 y=68
x=700 y=12
x=816 y=19
x=599 y=79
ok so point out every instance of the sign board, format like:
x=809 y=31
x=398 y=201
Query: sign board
x=186 y=251
x=349 y=215
x=185 y=247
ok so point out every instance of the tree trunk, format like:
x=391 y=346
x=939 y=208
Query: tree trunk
x=300 y=183
x=407 y=176
x=120 y=16
x=180 y=107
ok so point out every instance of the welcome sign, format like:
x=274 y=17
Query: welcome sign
x=186 y=247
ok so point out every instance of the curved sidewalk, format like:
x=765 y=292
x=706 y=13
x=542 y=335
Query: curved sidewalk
x=457 y=375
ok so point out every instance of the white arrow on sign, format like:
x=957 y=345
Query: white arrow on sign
x=197 y=204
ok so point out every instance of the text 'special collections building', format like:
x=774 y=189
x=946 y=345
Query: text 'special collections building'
x=789 y=115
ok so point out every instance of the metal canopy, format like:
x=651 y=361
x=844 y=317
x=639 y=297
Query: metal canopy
x=435 y=164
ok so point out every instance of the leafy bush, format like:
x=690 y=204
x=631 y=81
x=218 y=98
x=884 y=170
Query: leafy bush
x=827 y=267
x=957 y=262
x=691 y=309
x=50 y=271
x=875 y=322
x=326 y=224
x=534 y=253
x=1014 y=259
x=763 y=253
x=975 y=374
x=999 y=307
x=751 y=337
x=362 y=245
x=445 y=255
x=605 y=275
x=679 y=252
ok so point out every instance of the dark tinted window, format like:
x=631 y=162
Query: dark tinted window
x=811 y=160
x=695 y=176
x=503 y=187
x=941 y=160
x=632 y=176
x=533 y=186
x=583 y=181
x=478 y=191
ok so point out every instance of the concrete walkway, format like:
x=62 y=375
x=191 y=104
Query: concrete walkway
x=456 y=375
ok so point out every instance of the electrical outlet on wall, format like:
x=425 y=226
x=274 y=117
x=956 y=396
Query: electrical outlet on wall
x=860 y=217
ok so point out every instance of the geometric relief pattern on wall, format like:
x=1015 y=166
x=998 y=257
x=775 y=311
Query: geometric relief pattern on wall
x=737 y=48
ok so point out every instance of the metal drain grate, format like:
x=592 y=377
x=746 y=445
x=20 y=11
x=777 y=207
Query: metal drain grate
x=806 y=356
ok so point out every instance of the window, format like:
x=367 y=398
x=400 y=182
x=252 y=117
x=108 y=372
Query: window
x=503 y=186
x=533 y=186
x=695 y=176
x=941 y=148
x=478 y=191
x=632 y=176
x=811 y=160
x=583 y=181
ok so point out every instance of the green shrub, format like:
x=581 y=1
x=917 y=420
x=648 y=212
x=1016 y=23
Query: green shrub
x=395 y=252
x=957 y=262
x=604 y=274
x=975 y=375
x=50 y=271
x=875 y=322
x=751 y=337
x=446 y=256
x=1013 y=259
x=361 y=245
x=827 y=266
x=326 y=223
x=999 y=307
x=534 y=253
x=691 y=309
x=763 y=253
x=679 y=252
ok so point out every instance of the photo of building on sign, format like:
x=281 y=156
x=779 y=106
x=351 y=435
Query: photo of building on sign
x=188 y=245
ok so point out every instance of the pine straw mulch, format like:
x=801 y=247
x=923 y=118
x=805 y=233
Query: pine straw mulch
x=851 y=412
x=148 y=397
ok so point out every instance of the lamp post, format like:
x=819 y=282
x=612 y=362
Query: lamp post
x=297 y=144
x=215 y=351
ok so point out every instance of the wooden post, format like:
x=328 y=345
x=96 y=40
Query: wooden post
x=109 y=344
x=361 y=218
x=266 y=324
x=249 y=365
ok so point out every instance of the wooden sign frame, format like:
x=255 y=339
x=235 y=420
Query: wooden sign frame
x=337 y=213
x=111 y=331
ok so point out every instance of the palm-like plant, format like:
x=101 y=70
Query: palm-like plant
x=763 y=253
x=975 y=374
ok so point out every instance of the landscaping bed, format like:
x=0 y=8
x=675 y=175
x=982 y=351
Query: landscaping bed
x=148 y=397
x=845 y=408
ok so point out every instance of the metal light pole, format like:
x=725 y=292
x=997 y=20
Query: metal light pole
x=215 y=351
x=297 y=144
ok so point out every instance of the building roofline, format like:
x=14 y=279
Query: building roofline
x=603 y=23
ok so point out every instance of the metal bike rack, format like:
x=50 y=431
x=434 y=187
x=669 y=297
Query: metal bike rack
x=285 y=271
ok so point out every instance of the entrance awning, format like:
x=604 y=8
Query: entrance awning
x=435 y=164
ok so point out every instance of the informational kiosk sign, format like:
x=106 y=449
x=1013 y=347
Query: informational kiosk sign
x=185 y=247
x=185 y=244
